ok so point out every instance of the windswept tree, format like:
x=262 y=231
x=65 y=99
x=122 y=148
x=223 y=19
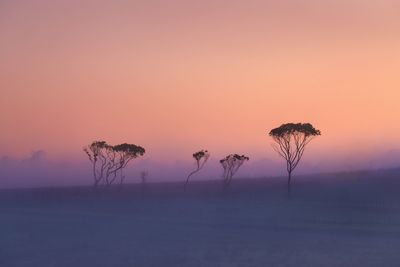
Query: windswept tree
x=201 y=158
x=97 y=153
x=231 y=165
x=123 y=154
x=109 y=161
x=291 y=140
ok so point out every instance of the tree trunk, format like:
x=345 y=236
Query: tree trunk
x=187 y=179
x=186 y=183
x=289 y=180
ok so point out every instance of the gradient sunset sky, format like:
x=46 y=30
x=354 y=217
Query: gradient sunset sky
x=178 y=76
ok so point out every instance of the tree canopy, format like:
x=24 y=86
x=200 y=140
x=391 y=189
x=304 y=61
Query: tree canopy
x=293 y=128
x=130 y=149
x=200 y=154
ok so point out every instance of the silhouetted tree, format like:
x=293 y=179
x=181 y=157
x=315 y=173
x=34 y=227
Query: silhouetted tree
x=143 y=178
x=290 y=142
x=201 y=158
x=97 y=152
x=120 y=156
x=231 y=165
x=108 y=161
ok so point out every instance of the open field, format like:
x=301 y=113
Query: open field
x=344 y=219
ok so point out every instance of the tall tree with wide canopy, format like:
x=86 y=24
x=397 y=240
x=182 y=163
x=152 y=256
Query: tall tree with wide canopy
x=109 y=161
x=291 y=140
x=119 y=158
x=231 y=165
x=201 y=158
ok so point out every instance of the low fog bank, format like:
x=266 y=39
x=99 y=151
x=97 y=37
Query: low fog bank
x=342 y=219
x=346 y=187
x=39 y=170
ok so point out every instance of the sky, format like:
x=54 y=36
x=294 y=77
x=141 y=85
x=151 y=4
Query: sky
x=179 y=76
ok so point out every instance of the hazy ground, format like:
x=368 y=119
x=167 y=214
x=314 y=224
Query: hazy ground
x=329 y=220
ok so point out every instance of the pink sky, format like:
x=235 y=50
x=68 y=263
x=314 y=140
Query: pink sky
x=178 y=76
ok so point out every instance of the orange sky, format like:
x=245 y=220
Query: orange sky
x=177 y=76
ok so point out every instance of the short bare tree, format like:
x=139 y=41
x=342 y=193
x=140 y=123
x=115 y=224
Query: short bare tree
x=201 y=158
x=109 y=161
x=291 y=140
x=143 y=178
x=231 y=165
